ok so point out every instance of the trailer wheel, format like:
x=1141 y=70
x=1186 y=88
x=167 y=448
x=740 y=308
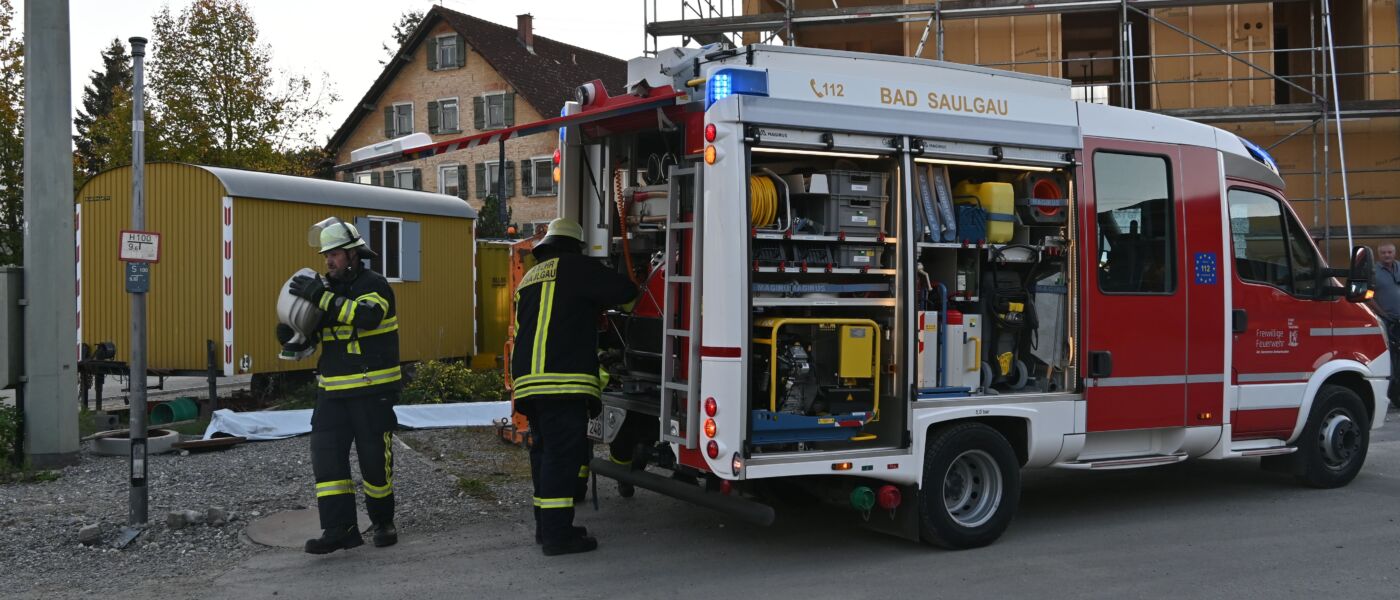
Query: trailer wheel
x=1332 y=447
x=972 y=485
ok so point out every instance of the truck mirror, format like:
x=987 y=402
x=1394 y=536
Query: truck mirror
x=1359 y=276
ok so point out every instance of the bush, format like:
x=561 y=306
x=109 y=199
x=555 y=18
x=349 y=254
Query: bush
x=9 y=431
x=435 y=382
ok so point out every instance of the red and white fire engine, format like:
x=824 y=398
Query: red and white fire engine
x=903 y=281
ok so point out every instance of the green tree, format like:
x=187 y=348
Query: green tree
x=488 y=220
x=408 y=21
x=212 y=84
x=104 y=94
x=11 y=139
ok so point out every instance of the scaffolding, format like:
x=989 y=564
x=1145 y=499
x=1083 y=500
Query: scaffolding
x=1318 y=113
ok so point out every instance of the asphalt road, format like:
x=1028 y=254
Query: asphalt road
x=1193 y=530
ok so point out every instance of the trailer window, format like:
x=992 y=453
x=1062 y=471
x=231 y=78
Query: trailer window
x=1135 y=225
x=1270 y=247
x=384 y=240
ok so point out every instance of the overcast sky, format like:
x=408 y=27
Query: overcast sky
x=343 y=38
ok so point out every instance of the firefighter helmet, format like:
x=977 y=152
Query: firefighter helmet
x=563 y=232
x=334 y=234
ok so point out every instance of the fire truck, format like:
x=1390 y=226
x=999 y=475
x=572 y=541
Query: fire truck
x=898 y=282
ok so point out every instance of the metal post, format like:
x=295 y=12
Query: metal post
x=137 y=383
x=213 y=376
x=1337 y=109
x=501 y=184
x=50 y=329
x=938 y=12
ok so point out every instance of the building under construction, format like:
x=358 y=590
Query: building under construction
x=1286 y=74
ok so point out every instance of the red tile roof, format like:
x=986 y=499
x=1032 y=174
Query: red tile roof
x=545 y=78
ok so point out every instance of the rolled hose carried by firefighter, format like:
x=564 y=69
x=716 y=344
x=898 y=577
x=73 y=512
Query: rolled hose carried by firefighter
x=748 y=510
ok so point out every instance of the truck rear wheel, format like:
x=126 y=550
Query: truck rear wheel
x=971 y=487
x=1332 y=447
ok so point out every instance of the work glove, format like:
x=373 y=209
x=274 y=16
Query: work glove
x=309 y=288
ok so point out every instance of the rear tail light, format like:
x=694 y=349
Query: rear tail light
x=710 y=132
x=712 y=449
x=711 y=407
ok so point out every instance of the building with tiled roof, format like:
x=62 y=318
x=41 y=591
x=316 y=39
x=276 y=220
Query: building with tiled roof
x=458 y=75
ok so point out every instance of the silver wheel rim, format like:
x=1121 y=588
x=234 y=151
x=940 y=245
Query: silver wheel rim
x=1340 y=439
x=972 y=488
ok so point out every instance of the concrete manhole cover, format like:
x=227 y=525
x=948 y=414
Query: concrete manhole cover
x=291 y=528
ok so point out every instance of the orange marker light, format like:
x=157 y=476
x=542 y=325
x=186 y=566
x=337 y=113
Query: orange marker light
x=710 y=428
x=709 y=155
x=556 y=174
x=842 y=466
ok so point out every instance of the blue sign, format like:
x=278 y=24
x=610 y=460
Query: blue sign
x=138 y=277
x=1205 y=268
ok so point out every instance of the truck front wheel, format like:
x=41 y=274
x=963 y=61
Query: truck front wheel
x=1333 y=444
x=971 y=487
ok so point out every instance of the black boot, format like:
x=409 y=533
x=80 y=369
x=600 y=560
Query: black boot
x=539 y=538
x=335 y=539
x=384 y=534
x=626 y=490
x=573 y=545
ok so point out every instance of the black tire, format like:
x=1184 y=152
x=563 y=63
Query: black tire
x=971 y=467
x=1332 y=447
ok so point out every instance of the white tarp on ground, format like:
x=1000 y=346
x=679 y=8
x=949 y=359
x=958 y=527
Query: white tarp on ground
x=278 y=424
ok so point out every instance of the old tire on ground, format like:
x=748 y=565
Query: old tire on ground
x=972 y=485
x=1332 y=447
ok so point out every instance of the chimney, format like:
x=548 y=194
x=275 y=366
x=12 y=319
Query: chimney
x=525 y=30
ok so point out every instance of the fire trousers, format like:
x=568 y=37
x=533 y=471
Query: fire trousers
x=368 y=422
x=558 y=460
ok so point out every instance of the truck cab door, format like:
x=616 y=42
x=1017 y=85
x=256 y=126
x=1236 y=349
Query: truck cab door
x=1133 y=353
x=1282 y=322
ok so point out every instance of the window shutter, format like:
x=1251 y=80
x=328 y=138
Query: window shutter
x=362 y=226
x=389 y=121
x=389 y=179
x=374 y=177
x=526 y=185
x=461 y=51
x=462 y=181
x=509 y=102
x=479 y=113
x=434 y=118
x=410 y=248
x=418 y=179
x=510 y=180
x=432 y=54
x=480 y=181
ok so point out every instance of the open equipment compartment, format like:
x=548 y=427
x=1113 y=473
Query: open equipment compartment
x=993 y=290
x=824 y=279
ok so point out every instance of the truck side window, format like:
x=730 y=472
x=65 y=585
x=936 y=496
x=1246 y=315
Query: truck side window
x=1270 y=246
x=1135 y=225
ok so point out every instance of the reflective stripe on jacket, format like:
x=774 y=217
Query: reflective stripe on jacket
x=359 y=338
x=556 y=324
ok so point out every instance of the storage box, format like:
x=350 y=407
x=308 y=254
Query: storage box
x=856 y=257
x=857 y=183
x=851 y=215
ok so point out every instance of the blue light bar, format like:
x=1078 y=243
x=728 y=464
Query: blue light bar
x=727 y=82
x=1260 y=155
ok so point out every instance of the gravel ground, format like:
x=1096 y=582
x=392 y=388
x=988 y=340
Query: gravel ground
x=454 y=478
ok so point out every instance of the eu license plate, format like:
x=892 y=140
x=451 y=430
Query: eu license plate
x=595 y=428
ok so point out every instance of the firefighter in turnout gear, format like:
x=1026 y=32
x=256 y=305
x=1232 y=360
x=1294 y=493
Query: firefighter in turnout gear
x=554 y=368
x=358 y=382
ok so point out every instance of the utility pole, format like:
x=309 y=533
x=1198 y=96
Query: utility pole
x=51 y=338
x=138 y=495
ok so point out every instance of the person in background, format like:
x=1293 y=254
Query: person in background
x=1386 y=283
